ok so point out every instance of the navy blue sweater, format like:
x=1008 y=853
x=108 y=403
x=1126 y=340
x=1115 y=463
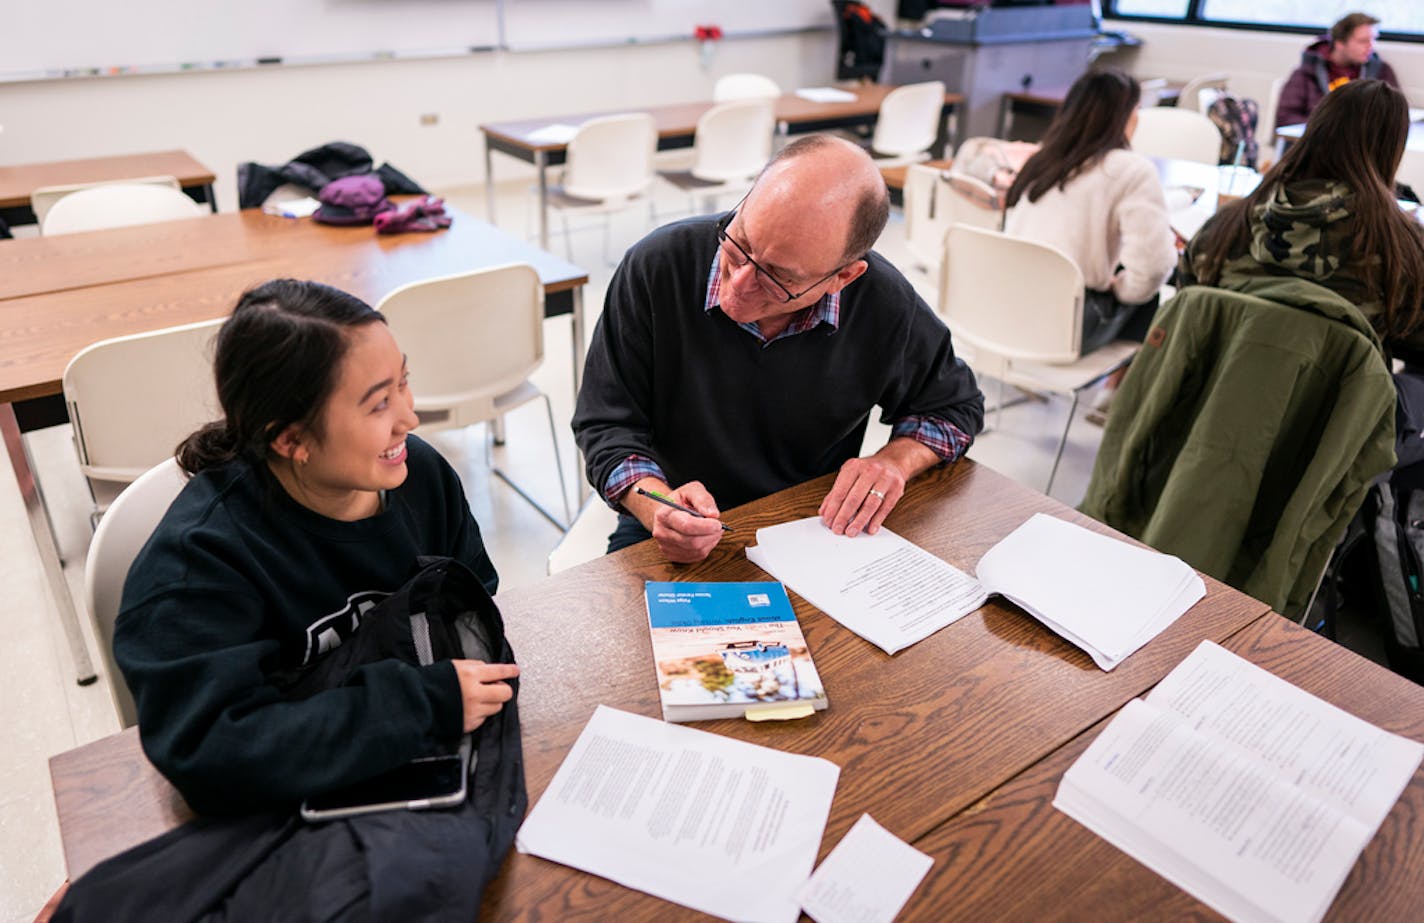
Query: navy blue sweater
x=703 y=398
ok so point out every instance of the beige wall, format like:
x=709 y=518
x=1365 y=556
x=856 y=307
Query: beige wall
x=226 y=117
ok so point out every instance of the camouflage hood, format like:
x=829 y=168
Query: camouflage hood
x=1303 y=229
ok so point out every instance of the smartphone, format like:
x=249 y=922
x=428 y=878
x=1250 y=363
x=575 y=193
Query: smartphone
x=429 y=782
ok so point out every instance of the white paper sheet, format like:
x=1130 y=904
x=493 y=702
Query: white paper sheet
x=555 y=133
x=867 y=878
x=825 y=95
x=1239 y=787
x=882 y=587
x=715 y=824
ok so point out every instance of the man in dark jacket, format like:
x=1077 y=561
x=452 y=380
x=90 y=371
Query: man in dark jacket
x=1346 y=53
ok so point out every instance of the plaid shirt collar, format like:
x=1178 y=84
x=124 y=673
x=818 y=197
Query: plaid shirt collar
x=825 y=311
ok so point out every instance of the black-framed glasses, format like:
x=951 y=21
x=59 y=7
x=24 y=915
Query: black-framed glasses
x=733 y=251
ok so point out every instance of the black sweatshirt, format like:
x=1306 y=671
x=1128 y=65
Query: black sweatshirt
x=239 y=580
x=700 y=396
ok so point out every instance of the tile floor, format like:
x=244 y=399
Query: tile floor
x=44 y=712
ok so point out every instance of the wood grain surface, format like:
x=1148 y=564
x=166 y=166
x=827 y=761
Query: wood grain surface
x=59 y=294
x=19 y=180
x=1012 y=856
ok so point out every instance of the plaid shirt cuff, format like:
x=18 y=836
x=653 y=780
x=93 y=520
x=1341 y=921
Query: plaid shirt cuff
x=943 y=438
x=629 y=472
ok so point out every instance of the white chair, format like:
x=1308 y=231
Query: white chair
x=1266 y=124
x=744 y=86
x=132 y=517
x=609 y=166
x=475 y=338
x=1177 y=134
x=730 y=146
x=908 y=124
x=933 y=203
x=1200 y=92
x=132 y=399
x=1019 y=304
x=587 y=537
x=1152 y=90
x=116 y=205
x=43 y=199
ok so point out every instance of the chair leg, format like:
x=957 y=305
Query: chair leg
x=562 y=526
x=1072 y=410
x=568 y=238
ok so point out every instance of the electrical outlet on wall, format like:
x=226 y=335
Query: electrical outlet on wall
x=429 y=118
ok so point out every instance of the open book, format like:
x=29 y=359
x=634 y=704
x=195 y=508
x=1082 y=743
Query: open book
x=727 y=649
x=1101 y=594
x=1249 y=793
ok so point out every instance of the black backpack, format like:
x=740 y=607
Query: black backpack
x=1236 y=119
x=395 y=865
x=1379 y=565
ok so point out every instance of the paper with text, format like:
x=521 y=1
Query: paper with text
x=882 y=587
x=1240 y=788
x=867 y=878
x=719 y=825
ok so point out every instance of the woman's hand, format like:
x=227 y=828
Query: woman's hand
x=483 y=687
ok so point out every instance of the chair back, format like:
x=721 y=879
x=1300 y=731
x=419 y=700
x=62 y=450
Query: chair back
x=1012 y=298
x=933 y=203
x=1151 y=92
x=744 y=86
x=472 y=337
x=132 y=399
x=116 y=205
x=908 y=122
x=1200 y=92
x=611 y=157
x=1266 y=125
x=1177 y=134
x=122 y=532
x=43 y=199
x=733 y=140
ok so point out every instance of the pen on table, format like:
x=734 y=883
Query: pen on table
x=652 y=495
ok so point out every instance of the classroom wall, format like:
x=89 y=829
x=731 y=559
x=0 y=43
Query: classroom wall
x=1253 y=59
x=271 y=114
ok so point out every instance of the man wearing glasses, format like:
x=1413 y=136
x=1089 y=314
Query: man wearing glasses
x=742 y=355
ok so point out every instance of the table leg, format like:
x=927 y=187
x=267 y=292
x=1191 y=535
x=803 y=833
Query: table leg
x=541 y=163
x=577 y=320
x=489 y=183
x=44 y=543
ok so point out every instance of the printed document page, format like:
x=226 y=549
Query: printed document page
x=882 y=587
x=1236 y=791
x=867 y=878
x=1100 y=593
x=719 y=825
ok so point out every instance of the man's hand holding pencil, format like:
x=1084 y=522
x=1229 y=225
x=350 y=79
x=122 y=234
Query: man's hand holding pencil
x=685 y=522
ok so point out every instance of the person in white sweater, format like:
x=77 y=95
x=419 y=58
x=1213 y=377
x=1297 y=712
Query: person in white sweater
x=1087 y=194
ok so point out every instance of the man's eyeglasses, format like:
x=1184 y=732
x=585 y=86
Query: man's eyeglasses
x=733 y=252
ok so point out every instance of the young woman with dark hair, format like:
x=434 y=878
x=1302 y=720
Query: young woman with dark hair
x=309 y=502
x=1326 y=212
x=1087 y=194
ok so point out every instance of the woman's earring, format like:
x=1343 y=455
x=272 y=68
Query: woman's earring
x=301 y=456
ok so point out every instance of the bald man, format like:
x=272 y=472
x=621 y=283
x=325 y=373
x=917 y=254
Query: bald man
x=741 y=354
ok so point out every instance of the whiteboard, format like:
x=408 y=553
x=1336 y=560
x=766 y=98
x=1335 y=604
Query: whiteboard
x=59 y=38
x=535 y=24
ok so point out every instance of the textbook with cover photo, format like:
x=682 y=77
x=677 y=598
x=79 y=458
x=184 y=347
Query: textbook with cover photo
x=723 y=650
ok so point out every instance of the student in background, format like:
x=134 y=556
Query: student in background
x=1086 y=193
x=1327 y=213
x=309 y=501
x=1346 y=53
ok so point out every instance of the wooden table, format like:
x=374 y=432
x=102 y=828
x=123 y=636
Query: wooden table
x=1013 y=857
x=59 y=294
x=920 y=736
x=17 y=182
x=676 y=126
